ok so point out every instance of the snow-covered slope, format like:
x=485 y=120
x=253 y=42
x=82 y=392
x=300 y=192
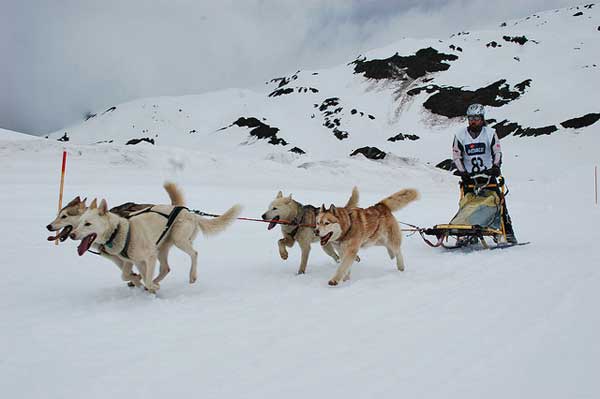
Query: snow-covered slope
x=534 y=73
x=520 y=322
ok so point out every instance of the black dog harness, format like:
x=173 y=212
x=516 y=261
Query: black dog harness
x=170 y=220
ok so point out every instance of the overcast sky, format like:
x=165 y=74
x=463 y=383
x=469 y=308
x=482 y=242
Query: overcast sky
x=63 y=58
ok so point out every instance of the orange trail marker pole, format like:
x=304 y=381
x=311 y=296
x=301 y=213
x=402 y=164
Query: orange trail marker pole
x=62 y=184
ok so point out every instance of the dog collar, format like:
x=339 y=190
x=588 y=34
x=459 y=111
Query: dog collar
x=109 y=243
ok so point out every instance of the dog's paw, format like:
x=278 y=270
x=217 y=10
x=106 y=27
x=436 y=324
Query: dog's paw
x=300 y=272
x=130 y=284
x=333 y=283
x=284 y=255
x=193 y=279
x=357 y=259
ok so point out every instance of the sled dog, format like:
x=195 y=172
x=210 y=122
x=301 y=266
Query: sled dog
x=301 y=229
x=69 y=216
x=140 y=238
x=352 y=228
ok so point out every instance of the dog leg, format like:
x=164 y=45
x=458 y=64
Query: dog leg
x=126 y=274
x=331 y=252
x=339 y=250
x=282 y=243
x=133 y=279
x=390 y=253
x=305 y=248
x=149 y=265
x=186 y=246
x=348 y=256
x=399 y=260
x=393 y=248
x=164 y=269
x=347 y=277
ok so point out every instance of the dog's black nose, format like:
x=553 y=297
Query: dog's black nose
x=49 y=227
x=317 y=232
x=264 y=216
x=72 y=236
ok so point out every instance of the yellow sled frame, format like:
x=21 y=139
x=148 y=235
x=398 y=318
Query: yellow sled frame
x=444 y=231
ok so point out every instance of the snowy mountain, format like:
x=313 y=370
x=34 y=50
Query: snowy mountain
x=515 y=323
x=537 y=75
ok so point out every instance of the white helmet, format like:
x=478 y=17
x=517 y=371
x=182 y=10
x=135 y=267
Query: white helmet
x=476 y=109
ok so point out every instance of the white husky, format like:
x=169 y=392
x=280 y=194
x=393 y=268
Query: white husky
x=135 y=239
x=69 y=216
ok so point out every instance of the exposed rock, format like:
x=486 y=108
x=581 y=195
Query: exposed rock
x=504 y=129
x=397 y=67
x=453 y=101
x=446 y=164
x=340 y=134
x=402 y=137
x=524 y=84
x=493 y=44
x=530 y=131
x=64 y=138
x=261 y=130
x=282 y=91
x=516 y=39
x=369 y=152
x=297 y=151
x=577 y=14
x=329 y=102
x=111 y=109
x=289 y=90
x=583 y=121
x=137 y=141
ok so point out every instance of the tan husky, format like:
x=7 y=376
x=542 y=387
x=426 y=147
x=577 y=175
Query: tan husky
x=302 y=229
x=69 y=216
x=353 y=228
x=136 y=238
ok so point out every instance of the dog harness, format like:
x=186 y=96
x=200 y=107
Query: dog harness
x=170 y=220
x=299 y=219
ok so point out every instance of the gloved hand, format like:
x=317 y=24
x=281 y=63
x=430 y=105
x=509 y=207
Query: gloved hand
x=493 y=171
x=464 y=174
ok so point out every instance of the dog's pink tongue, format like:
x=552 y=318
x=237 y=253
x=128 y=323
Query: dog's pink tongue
x=326 y=238
x=85 y=244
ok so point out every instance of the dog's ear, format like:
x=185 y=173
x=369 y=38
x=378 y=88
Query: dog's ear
x=94 y=204
x=290 y=196
x=103 y=207
x=322 y=208
x=279 y=195
x=74 y=201
x=333 y=209
x=82 y=204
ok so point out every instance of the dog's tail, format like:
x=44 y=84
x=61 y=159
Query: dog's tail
x=175 y=194
x=353 y=200
x=218 y=224
x=400 y=199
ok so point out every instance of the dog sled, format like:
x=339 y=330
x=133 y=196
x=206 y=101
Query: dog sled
x=479 y=218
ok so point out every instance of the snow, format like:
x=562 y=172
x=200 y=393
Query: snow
x=520 y=322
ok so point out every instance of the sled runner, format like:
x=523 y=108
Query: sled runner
x=480 y=215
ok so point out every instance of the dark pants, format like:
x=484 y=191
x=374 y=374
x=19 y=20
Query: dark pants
x=505 y=216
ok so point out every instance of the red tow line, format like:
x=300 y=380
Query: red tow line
x=281 y=221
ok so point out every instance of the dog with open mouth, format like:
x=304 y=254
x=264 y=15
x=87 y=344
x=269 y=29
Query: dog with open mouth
x=69 y=216
x=300 y=225
x=146 y=236
x=352 y=228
